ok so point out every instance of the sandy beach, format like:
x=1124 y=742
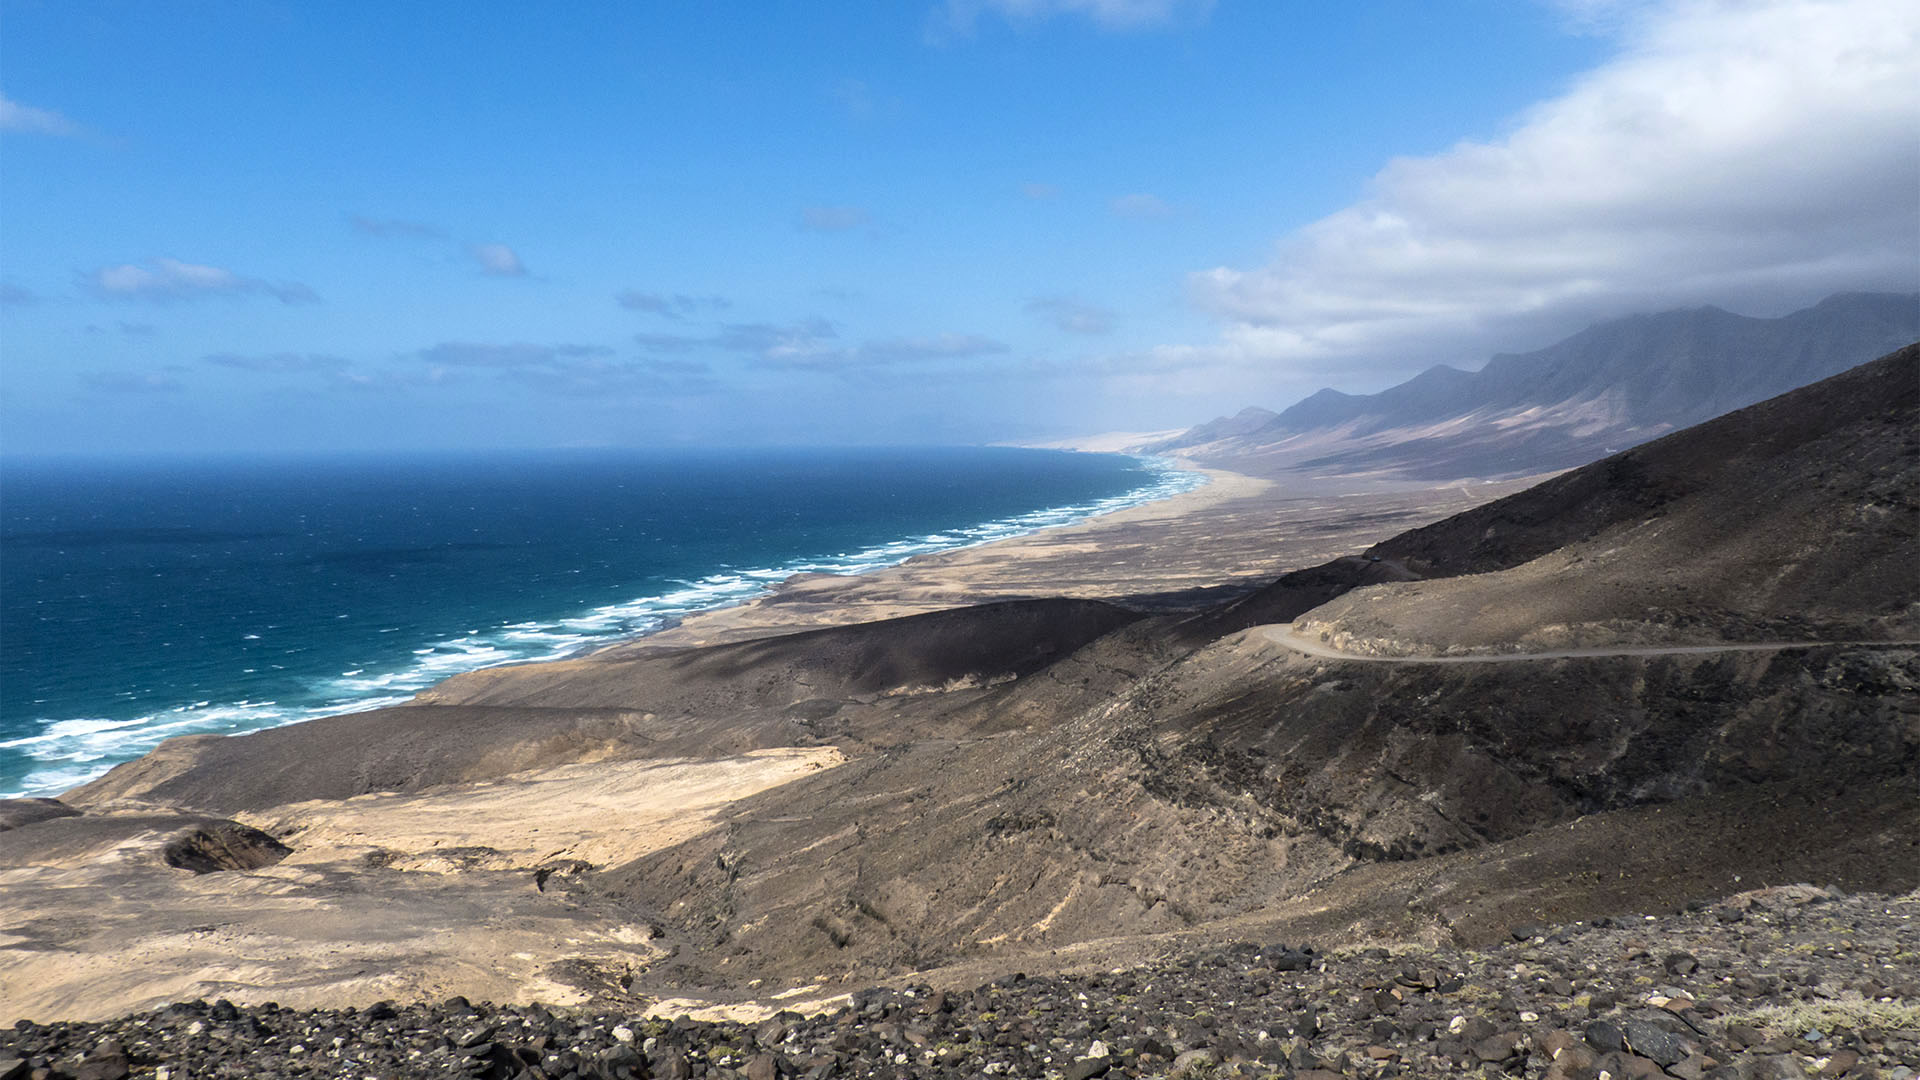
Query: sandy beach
x=1238 y=530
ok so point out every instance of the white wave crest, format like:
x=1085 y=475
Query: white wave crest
x=69 y=752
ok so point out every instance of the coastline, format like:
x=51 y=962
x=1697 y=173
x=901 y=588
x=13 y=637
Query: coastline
x=1166 y=552
x=1238 y=530
x=481 y=798
x=78 y=751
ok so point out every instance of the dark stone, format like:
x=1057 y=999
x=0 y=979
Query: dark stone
x=223 y=845
x=1290 y=960
x=108 y=1062
x=1604 y=1037
x=1088 y=1068
x=1772 y=1067
x=1498 y=1047
x=1527 y=932
x=1681 y=964
x=1653 y=1042
x=1477 y=1028
x=1154 y=1047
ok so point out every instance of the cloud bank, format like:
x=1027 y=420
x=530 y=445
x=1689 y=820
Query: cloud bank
x=814 y=345
x=163 y=280
x=1759 y=153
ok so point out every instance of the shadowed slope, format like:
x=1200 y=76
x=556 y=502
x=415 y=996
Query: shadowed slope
x=851 y=683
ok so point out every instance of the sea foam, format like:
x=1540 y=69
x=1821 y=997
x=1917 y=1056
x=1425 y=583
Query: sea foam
x=68 y=752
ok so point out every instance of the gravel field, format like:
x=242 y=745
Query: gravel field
x=1781 y=982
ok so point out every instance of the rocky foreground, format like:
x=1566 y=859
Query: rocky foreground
x=1781 y=982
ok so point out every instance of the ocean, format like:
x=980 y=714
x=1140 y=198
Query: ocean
x=141 y=600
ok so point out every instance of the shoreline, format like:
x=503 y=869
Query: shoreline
x=750 y=617
x=1167 y=552
x=66 y=773
x=563 y=768
x=1236 y=531
x=771 y=593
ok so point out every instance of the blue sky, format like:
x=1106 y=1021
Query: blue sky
x=354 y=226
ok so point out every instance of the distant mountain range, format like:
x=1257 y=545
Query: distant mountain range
x=1611 y=386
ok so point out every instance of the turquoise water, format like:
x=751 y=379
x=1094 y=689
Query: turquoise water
x=142 y=600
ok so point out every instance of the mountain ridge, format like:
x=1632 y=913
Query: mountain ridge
x=1615 y=384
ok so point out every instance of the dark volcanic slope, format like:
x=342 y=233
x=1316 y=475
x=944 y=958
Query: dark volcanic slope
x=1611 y=386
x=1024 y=778
x=1566 y=1002
x=1794 y=519
x=1197 y=786
x=855 y=683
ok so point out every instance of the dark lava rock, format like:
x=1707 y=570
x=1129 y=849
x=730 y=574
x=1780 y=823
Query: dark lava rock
x=1498 y=1047
x=1653 y=1042
x=1088 y=1068
x=223 y=845
x=1604 y=1037
x=1225 y=1010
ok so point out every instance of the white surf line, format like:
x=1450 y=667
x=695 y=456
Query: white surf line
x=1283 y=634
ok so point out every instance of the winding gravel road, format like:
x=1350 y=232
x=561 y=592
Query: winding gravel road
x=1283 y=634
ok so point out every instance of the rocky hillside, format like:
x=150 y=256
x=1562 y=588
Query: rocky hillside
x=1752 y=987
x=1606 y=388
x=1011 y=786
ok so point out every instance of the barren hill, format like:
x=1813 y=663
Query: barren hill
x=1051 y=783
x=1604 y=389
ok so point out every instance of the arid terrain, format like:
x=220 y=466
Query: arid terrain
x=1254 y=713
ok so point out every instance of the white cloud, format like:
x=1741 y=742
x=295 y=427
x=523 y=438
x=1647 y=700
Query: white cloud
x=1756 y=153
x=27 y=120
x=1140 y=205
x=498 y=260
x=164 y=279
x=961 y=15
x=1038 y=191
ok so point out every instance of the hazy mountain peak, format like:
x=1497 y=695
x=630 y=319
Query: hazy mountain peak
x=1611 y=385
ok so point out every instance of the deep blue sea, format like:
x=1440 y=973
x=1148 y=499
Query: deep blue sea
x=145 y=599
